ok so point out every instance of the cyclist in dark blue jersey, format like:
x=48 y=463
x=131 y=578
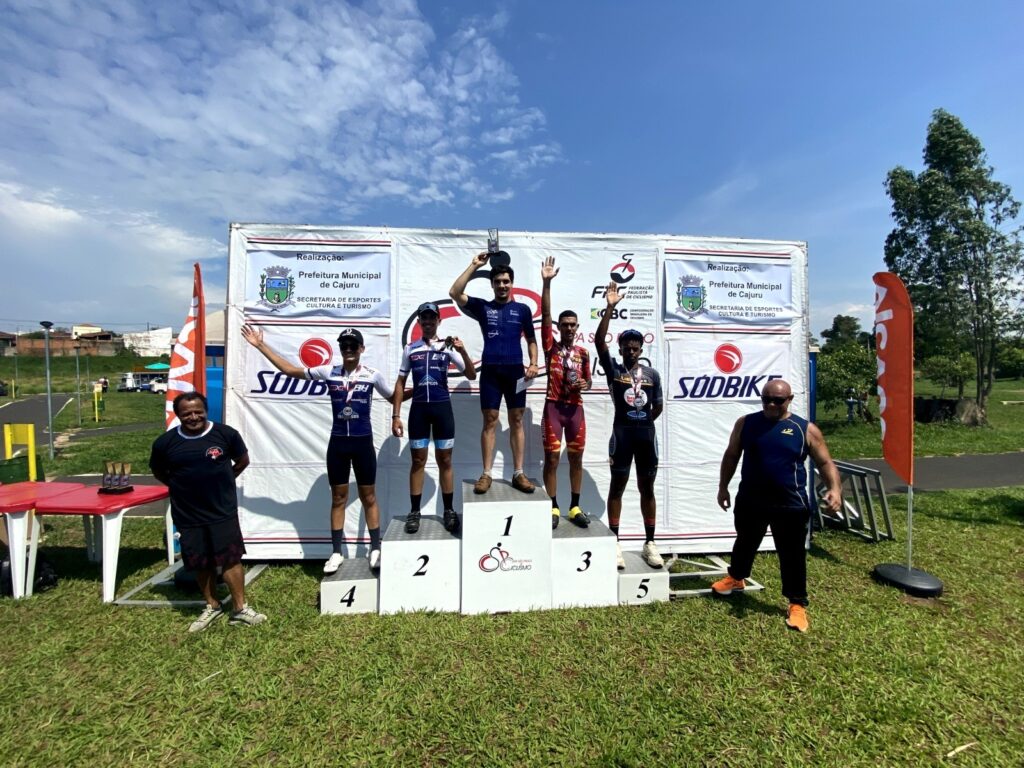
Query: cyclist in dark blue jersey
x=637 y=396
x=428 y=359
x=350 y=386
x=774 y=445
x=503 y=323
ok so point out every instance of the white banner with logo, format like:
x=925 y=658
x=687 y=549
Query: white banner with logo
x=284 y=494
x=724 y=291
x=317 y=281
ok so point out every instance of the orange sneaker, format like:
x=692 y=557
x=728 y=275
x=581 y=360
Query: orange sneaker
x=796 y=618
x=728 y=585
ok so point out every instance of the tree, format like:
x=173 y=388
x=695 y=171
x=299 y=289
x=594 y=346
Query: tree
x=845 y=330
x=956 y=248
x=851 y=366
x=949 y=371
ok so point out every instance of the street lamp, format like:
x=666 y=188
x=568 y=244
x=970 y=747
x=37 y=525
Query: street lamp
x=47 y=325
x=78 y=382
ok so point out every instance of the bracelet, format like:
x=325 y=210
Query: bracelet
x=396 y=415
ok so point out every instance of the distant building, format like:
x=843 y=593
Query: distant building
x=149 y=343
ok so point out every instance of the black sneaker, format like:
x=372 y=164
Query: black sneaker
x=412 y=522
x=451 y=521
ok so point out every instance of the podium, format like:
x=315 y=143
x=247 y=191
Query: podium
x=506 y=549
x=350 y=589
x=419 y=571
x=583 y=572
x=640 y=584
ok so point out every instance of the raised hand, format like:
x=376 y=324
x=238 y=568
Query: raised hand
x=612 y=295
x=253 y=335
x=481 y=258
x=548 y=270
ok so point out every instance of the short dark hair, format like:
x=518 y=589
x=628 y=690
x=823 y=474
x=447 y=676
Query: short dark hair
x=630 y=335
x=567 y=313
x=184 y=397
x=502 y=269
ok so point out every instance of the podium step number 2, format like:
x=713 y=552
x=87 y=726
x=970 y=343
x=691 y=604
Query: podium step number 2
x=420 y=571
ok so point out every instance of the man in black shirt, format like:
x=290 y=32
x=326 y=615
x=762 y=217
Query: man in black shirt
x=199 y=461
x=636 y=393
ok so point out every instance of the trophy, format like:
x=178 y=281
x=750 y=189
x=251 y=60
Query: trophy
x=116 y=477
x=498 y=257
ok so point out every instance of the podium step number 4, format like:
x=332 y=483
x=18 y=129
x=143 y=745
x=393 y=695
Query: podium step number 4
x=351 y=589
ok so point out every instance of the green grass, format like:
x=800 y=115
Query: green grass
x=1004 y=433
x=881 y=679
x=31 y=371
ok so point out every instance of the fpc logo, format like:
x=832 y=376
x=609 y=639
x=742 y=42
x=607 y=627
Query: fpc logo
x=728 y=358
x=315 y=352
x=624 y=271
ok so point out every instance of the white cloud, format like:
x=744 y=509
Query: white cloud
x=180 y=118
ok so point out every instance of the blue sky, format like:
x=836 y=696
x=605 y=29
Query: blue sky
x=132 y=133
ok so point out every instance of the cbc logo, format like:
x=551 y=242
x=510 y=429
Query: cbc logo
x=728 y=358
x=314 y=352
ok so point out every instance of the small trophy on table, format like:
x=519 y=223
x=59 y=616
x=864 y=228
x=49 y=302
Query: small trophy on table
x=117 y=477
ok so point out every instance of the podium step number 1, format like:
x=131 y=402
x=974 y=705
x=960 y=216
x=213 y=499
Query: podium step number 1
x=506 y=549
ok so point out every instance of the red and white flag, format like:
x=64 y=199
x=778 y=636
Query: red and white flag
x=188 y=360
x=894 y=347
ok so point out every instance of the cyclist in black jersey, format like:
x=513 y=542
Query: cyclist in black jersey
x=637 y=395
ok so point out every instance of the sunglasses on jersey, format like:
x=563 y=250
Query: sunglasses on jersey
x=775 y=400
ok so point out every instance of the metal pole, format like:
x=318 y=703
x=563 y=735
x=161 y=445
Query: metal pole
x=14 y=391
x=49 y=389
x=78 y=383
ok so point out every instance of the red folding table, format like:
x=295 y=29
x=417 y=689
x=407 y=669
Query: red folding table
x=17 y=502
x=102 y=541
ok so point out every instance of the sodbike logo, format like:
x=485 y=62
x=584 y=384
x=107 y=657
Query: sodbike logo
x=499 y=559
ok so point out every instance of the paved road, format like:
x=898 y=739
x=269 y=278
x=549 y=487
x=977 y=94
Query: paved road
x=937 y=473
x=32 y=410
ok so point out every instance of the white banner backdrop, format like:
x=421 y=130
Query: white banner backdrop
x=284 y=494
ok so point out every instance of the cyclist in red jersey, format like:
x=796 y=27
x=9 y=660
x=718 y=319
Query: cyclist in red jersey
x=568 y=368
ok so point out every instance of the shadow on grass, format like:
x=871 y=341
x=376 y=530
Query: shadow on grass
x=745 y=603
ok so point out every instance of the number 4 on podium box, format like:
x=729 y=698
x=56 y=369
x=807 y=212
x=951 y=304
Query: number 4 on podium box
x=351 y=589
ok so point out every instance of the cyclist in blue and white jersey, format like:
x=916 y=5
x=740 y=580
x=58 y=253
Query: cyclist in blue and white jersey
x=428 y=359
x=350 y=386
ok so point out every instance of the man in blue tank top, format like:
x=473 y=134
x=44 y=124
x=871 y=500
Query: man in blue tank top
x=774 y=445
x=503 y=322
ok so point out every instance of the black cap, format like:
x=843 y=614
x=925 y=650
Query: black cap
x=428 y=306
x=350 y=334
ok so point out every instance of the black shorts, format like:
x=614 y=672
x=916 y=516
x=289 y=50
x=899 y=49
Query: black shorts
x=206 y=547
x=347 y=453
x=500 y=381
x=629 y=444
x=432 y=418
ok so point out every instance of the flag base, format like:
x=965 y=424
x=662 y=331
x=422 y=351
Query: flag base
x=910 y=580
